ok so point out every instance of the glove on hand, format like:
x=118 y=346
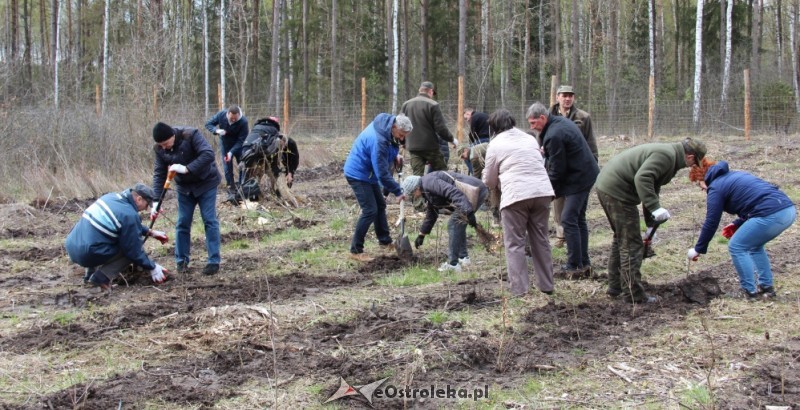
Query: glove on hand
x=471 y=219
x=692 y=254
x=418 y=242
x=160 y=235
x=660 y=215
x=729 y=230
x=181 y=169
x=220 y=132
x=228 y=157
x=154 y=211
x=158 y=274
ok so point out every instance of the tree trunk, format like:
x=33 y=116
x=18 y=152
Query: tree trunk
x=105 y=55
x=779 y=37
x=755 y=55
x=14 y=16
x=334 y=53
x=404 y=54
x=255 y=50
x=423 y=33
x=793 y=46
x=651 y=21
x=542 y=50
x=44 y=36
x=559 y=63
x=222 y=53
x=56 y=33
x=395 y=53
x=576 y=41
x=273 y=99
x=726 y=72
x=462 y=37
x=206 y=61
x=526 y=55
x=306 y=46
x=484 y=73
x=698 y=65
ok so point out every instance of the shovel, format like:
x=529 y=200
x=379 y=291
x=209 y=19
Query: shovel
x=402 y=245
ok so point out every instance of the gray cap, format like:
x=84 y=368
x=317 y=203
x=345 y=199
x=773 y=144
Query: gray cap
x=410 y=184
x=145 y=192
x=427 y=84
x=565 y=89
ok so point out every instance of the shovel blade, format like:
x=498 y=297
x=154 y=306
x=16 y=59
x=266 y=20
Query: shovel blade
x=402 y=244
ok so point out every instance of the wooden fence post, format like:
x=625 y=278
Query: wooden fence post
x=363 y=103
x=219 y=96
x=747 y=104
x=97 y=99
x=553 y=85
x=155 y=101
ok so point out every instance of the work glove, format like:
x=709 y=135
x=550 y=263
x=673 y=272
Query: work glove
x=158 y=274
x=660 y=215
x=154 y=211
x=228 y=157
x=471 y=219
x=418 y=242
x=160 y=235
x=181 y=169
x=729 y=230
x=220 y=132
x=692 y=254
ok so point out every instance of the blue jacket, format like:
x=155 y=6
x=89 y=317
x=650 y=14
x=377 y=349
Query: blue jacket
x=373 y=154
x=234 y=133
x=739 y=193
x=192 y=150
x=109 y=226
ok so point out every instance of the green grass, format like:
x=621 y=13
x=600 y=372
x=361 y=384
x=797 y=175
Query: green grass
x=412 y=277
x=338 y=224
x=319 y=257
x=64 y=318
x=437 y=317
x=291 y=234
x=695 y=395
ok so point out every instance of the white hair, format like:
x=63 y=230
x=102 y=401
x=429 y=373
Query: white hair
x=403 y=122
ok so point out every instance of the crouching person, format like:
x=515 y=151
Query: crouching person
x=108 y=237
x=439 y=192
x=265 y=148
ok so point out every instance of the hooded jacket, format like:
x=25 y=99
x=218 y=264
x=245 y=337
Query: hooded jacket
x=193 y=151
x=637 y=174
x=440 y=192
x=738 y=193
x=373 y=153
x=570 y=164
x=111 y=225
x=479 y=128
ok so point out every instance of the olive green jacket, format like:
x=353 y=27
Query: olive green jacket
x=583 y=120
x=637 y=174
x=429 y=124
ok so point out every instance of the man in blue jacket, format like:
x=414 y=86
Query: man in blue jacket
x=108 y=237
x=368 y=166
x=185 y=151
x=232 y=127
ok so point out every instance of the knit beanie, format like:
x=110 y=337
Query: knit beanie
x=162 y=132
x=410 y=184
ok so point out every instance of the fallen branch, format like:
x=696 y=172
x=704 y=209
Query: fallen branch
x=620 y=374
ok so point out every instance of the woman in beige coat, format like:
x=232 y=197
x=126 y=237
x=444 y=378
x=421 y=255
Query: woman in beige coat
x=514 y=164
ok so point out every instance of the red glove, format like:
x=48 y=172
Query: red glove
x=161 y=236
x=729 y=230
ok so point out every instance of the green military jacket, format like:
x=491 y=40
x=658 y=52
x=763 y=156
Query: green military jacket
x=637 y=174
x=583 y=120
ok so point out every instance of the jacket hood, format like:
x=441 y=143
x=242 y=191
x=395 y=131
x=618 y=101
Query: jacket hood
x=715 y=171
x=383 y=126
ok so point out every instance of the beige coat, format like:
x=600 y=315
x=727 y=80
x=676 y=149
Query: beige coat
x=515 y=165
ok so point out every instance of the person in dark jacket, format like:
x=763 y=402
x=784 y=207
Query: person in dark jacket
x=439 y=192
x=108 y=237
x=430 y=131
x=635 y=176
x=565 y=107
x=478 y=124
x=232 y=127
x=763 y=211
x=265 y=146
x=368 y=166
x=185 y=151
x=572 y=170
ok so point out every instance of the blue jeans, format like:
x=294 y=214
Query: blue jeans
x=373 y=211
x=226 y=145
x=576 y=232
x=747 y=247
x=208 y=211
x=457 y=232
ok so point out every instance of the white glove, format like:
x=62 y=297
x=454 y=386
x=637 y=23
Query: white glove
x=692 y=254
x=157 y=274
x=181 y=169
x=220 y=132
x=228 y=157
x=660 y=215
x=153 y=211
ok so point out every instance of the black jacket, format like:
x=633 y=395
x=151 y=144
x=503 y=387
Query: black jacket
x=570 y=164
x=440 y=192
x=193 y=151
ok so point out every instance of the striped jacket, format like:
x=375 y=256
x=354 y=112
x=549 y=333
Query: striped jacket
x=109 y=226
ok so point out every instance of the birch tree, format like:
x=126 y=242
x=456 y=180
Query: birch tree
x=698 y=64
x=222 y=52
x=56 y=35
x=273 y=101
x=334 y=51
x=395 y=54
x=206 y=60
x=106 y=13
x=793 y=46
x=726 y=72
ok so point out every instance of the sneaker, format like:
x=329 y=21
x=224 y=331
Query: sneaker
x=361 y=257
x=87 y=274
x=182 y=267
x=647 y=300
x=767 y=292
x=387 y=246
x=100 y=280
x=464 y=261
x=211 y=269
x=446 y=266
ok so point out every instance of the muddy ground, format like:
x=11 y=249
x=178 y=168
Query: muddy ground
x=289 y=316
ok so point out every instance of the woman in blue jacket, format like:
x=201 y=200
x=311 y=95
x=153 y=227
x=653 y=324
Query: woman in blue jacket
x=368 y=166
x=763 y=211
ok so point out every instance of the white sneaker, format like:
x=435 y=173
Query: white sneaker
x=464 y=261
x=446 y=266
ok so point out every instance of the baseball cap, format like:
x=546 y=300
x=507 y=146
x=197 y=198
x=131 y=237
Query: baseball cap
x=565 y=89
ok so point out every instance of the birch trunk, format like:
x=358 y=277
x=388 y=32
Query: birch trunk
x=698 y=64
x=793 y=46
x=56 y=43
x=106 y=14
x=726 y=73
x=222 y=52
x=206 y=58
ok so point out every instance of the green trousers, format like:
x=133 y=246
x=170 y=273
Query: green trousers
x=625 y=261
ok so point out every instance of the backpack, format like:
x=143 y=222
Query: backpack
x=250 y=190
x=262 y=143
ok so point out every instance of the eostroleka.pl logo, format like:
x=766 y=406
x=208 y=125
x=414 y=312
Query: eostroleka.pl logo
x=375 y=391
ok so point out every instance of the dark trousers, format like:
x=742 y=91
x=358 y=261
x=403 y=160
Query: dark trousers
x=576 y=232
x=373 y=211
x=225 y=146
x=625 y=261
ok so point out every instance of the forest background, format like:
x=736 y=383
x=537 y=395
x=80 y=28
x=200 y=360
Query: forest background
x=83 y=81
